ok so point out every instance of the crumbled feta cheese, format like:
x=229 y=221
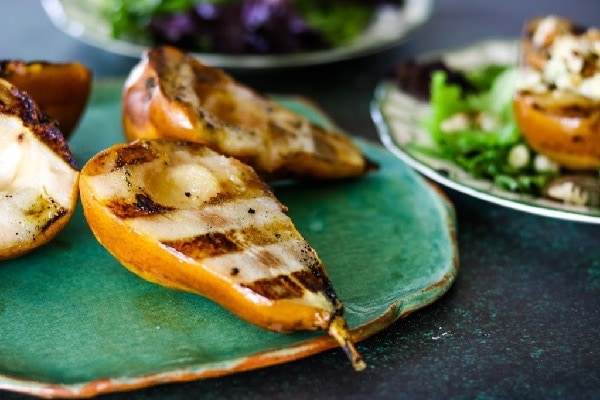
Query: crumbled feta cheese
x=456 y=123
x=530 y=79
x=569 y=193
x=541 y=163
x=569 y=55
x=518 y=156
x=590 y=87
x=571 y=51
x=487 y=122
x=554 y=69
x=545 y=31
x=462 y=121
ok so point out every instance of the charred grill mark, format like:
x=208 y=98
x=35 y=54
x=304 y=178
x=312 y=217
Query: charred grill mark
x=319 y=279
x=595 y=127
x=18 y=103
x=220 y=198
x=210 y=245
x=150 y=83
x=127 y=174
x=266 y=235
x=147 y=205
x=579 y=111
x=214 y=220
x=204 y=74
x=309 y=280
x=61 y=212
x=268 y=260
x=44 y=212
x=285 y=128
x=142 y=207
x=276 y=288
x=208 y=125
x=180 y=94
x=213 y=244
x=570 y=111
x=323 y=147
x=253 y=187
x=134 y=154
x=158 y=58
x=54 y=138
x=23 y=106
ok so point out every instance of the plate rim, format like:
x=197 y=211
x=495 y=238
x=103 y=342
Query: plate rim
x=384 y=87
x=416 y=13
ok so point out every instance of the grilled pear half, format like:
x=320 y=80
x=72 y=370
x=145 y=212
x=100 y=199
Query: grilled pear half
x=61 y=90
x=557 y=106
x=207 y=224
x=172 y=94
x=38 y=175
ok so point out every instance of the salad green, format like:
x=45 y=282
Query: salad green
x=130 y=18
x=477 y=130
x=338 y=21
x=241 y=26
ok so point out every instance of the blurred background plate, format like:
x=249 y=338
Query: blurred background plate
x=83 y=20
x=397 y=115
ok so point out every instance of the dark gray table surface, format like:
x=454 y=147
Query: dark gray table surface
x=521 y=320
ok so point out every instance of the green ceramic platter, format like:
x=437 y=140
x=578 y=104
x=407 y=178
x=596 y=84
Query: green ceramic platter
x=75 y=323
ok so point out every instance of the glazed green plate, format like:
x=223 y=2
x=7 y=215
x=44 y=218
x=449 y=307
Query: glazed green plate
x=75 y=323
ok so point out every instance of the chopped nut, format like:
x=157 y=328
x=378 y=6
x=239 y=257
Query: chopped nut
x=581 y=190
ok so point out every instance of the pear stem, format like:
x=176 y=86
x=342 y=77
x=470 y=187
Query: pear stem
x=338 y=329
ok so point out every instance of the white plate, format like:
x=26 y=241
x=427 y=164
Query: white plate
x=397 y=114
x=81 y=19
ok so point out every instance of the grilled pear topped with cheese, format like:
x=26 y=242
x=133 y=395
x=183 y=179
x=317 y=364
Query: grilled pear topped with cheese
x=172 y=94
x=38 y=175
x=205 y=223
x=557 y=104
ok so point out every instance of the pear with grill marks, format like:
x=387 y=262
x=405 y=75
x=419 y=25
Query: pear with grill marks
x=172 y=94
x=38 y=175
x=206 y=223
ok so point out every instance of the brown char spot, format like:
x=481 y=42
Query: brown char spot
x=143 y=206
x=134 y=154
x=314 y=277
x=211 y=244
x=282 y=286
x=577 y=139
x=324 y=147
x=61 y=212
x=222 y=242
x=215 y=220
x=267 y=259
x=309 y=280
x=276 y=288
x=150 y=83
x=44 y=212
x=20 y=104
